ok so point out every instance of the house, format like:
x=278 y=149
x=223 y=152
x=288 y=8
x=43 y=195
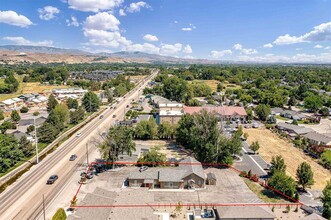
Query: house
x=244 y=213
x=318 y=139
x=142 y=118
x=228 y=113
x=188 y=174
x=170 y=112
x=11 y=104
x=211 y=179
x=290 y=114
x=26 y=97
x=313 y=216
x=293 y=130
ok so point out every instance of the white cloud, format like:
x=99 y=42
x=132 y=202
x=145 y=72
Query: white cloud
x=106 y=38
x=187 y=29
x=242 y=50
x=190 y=28
x=94 y=5
x=151 y=38
x=327 y=48
x=298 y=58
x=136 y=6
x=267 y=45
x=320 y=33
x=170 y=49
x=176 y=22
x=23 y=41
x=237 y=47
x=145 y=47
x=121 y=12
x=317 y=46
x=102 y=21
x=249 y=51
x=73 y=22
x=187 y=49
x=218 y=54
x=48 y=12
x=12 y=18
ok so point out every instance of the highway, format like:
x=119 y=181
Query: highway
x=22 y=199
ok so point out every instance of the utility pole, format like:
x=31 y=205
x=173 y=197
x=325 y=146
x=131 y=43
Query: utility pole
x=36 y=138
x=87 y=154
x=44 y=207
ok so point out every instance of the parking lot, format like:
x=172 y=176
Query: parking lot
x=108 y=187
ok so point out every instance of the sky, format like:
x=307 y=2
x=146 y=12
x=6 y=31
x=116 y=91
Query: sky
x=236 y=30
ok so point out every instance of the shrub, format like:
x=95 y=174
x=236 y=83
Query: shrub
x=60 y=215
x=24 y=109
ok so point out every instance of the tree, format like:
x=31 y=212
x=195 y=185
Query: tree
x=146 y=129
x=165 y=130
x=47 y=132
x=63 y=112
x=249 y=112
x=15 y=117
x=281 y=182
x=313 y=103
x=54 y=119
x=7 y=125
x=271 y=120
x=183 y=131
x=77 y=116
x=305 y=175
x=24 y=109
x=263 y=111
x=72 y=103
x=60 y=215
x=246 y=135
x=255 y=146
x=292 y=101
x=30 y=129
x=2 y=115
x=277 y=164
x=52 y=102
x=326 y=200
x=326 y=159
x=25 y=146
x=324 y=111
x=91 y=102
x=119 y=140
x=175 y=88
x=152 y=158
x=219 y=87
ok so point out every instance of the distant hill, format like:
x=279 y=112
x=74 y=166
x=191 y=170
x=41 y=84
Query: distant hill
x=124 y=55
x=43 y=49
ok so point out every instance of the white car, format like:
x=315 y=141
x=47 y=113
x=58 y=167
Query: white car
x=78 y=134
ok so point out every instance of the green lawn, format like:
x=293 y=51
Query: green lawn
x=281 y=118
x=264 y=194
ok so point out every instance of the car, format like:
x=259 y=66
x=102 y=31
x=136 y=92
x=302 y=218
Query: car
x=143 y=168
x=73 y=157
x=78 y=134
x=52 y=179
x=127 y=106
x=88 y=175
x=114 y=116
x=101 y=117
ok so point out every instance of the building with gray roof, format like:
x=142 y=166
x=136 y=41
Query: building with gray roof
x=244 y=213
x=319 y=139
x=188 y=174
x=293 y=129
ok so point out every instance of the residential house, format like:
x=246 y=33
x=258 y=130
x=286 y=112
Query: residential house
x=293 y=130
x=318 y=139
x=244 y=213
x=227 y=113
x=313 y=216
x=290 y=114
x=188 y=174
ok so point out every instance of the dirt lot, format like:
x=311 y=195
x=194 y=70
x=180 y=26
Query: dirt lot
x=271 y=145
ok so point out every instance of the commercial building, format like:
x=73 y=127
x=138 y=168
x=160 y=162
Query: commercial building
x=69 y=93
x=188 y=175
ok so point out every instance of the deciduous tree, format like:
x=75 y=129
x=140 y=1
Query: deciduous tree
x=305 y=175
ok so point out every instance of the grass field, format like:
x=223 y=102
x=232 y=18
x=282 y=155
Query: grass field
x=29 y=87
x=211 y=83
x=272 y=145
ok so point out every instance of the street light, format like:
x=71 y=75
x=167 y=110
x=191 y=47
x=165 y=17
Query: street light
x=35 y=114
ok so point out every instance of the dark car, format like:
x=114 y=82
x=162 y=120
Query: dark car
x=114 y=116
x=73 y=157
x=101 y=117
x=88 y=175
x=52 y=179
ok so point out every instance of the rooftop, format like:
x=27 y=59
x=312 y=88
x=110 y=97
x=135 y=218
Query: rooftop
x=318 y=137
x=221 y=110
x=170 y=113
x=244 y=212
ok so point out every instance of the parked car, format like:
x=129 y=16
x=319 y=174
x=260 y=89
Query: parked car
x=52 y=179
x=73 y=157
x=78 y=134
x=101 y=117
x=127 y=106
x=143 y=168
x=114 y=116
x=88 y=175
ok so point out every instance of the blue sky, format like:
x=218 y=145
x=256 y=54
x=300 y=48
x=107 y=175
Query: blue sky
x=243 y=30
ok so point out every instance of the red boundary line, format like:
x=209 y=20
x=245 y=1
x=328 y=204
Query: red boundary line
x=295 y=202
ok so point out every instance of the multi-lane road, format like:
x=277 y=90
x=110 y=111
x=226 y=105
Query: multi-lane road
x=22 y=200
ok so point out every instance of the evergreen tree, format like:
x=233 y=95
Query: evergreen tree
x=326 y=199
x=15 y=117
x=52 y=102
x=91 y=102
